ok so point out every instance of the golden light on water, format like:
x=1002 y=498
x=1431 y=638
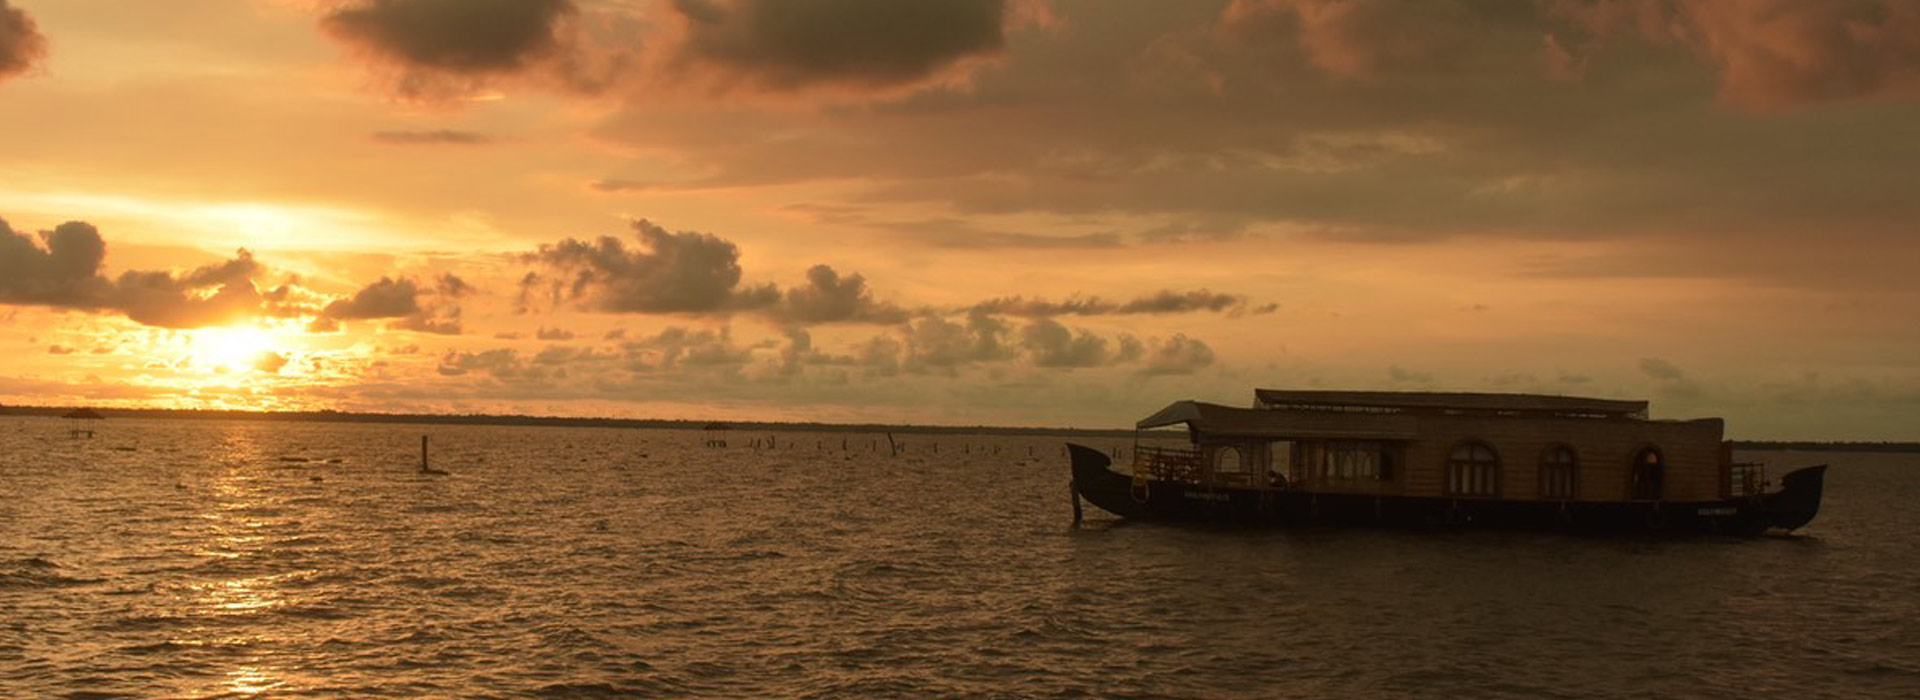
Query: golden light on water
x=250 y=680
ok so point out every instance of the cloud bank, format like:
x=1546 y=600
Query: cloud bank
x=22 y=46
x=790 y=44
x=66 y=274
x=1165 y=301
x=434 y=42
x=444 y=48
x=1770 y=53
x=684 y=272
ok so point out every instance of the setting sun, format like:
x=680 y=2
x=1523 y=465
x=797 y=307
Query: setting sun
x=232 y=349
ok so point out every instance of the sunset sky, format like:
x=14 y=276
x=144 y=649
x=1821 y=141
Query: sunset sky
x=1007 y=212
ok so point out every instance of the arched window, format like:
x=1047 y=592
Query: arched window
x=1227 y=461
x=1473 y=469
x=1559 y=473
x=1649 y=474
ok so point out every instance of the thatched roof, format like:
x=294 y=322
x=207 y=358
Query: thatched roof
x=84 y=414
x=718 y=426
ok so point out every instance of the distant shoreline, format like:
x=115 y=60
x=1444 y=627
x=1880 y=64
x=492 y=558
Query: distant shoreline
x=664 y=424
x=560 y=421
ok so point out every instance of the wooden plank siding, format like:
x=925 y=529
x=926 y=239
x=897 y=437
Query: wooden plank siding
x=1604 y=449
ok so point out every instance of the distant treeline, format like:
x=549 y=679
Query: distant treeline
x=559 y=421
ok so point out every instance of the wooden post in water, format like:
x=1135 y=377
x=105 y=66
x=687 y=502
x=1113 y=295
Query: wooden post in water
x=424 y=468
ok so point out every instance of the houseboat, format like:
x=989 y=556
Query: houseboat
x=1444 y=460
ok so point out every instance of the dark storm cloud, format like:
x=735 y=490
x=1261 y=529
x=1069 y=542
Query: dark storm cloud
x=432 y=310
x=386 y=298
x=21 y=44
x=690 y=272
x=1768 y=53
x=1165 y=301
x=828 y=297
x=66 y=275
x=788 y=44
x=1363 y=39
x=217 y=294
x=440 y=136
x=684 y=272
x=1475 y=139
x=455 y=36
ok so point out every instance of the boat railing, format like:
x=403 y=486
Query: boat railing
x=1748 y=479
x=1167 y=464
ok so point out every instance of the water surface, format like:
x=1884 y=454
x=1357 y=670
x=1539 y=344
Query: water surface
x=254 y=559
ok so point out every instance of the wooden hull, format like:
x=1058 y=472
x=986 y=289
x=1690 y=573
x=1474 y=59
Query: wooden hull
x=1093 y=479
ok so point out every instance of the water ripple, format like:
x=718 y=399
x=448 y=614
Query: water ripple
x=246 y=559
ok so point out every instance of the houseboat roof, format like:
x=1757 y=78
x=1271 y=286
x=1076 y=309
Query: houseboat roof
x=1446 y=402
x=1216 y=419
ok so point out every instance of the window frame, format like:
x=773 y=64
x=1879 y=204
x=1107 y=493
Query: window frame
x=1462 y=476
x=1571 y=468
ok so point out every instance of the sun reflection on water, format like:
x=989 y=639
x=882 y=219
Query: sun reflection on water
x=239 y=518
x=252 y=680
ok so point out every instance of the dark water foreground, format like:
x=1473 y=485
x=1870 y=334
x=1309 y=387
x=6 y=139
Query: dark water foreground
x=175 y=559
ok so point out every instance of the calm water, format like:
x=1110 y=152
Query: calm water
x=236 y=559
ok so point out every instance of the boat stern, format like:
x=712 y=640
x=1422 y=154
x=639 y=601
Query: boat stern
x=1798 y=499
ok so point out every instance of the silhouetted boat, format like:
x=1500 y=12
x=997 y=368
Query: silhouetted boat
x=84 y=413
x=1303 y=458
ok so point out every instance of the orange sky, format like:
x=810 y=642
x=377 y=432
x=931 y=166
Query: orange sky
x=1063 y=212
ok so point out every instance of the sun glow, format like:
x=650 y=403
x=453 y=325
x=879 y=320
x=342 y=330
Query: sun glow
x=233 y=348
